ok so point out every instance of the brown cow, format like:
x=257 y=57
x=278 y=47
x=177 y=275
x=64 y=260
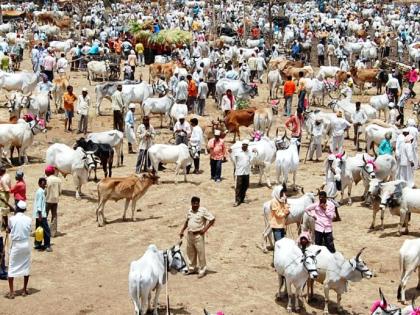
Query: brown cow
x=308 y=72
x=341 y=76
x=361 y=76
x=158 y=69
x=63 y=23
x=129 y=188
x=236 y=118
x=60 y=84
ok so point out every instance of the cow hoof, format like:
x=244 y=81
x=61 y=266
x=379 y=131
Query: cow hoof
x=349 y=203
x=326 y=312
x=134 y=219
x=371 y=228
x=382 y=228
x=398 y=233
x=297 y=309
x=289 y=309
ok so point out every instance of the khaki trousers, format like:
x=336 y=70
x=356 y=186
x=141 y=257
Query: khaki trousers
x=195 y=248
x=53 y=208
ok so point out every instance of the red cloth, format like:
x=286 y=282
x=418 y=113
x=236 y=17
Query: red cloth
x=19 y=191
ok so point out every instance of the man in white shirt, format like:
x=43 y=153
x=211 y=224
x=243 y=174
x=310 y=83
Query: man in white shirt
x=129 y=127
x=316 y=140
x=242 y=161
x=182 y=130
x=407 y=162
x=118 y=108
x=358 y=118
x=252 y=65
x=196 y=51
x=62 y=64
x=260 y=67
x=83 y=104
x=173 y=83
x=221 y=72
x=344 y=64
x=320 y=49
x=202 y=95
x=414 y=132
x=181 y=94
x=393 y=87
x=338 y=125
x=196 y=140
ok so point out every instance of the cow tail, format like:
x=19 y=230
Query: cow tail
x=402 y=269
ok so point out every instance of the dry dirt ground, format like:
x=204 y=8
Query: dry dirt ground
x=88 y=270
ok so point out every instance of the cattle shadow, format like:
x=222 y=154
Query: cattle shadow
x=412 y=293
x=282 y=301
x=394 y=234
x=386 y=226
x=72 y=193
x=137 y=220
x=318 y=302
x=176 y=311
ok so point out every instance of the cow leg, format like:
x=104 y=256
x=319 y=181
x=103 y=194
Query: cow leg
x=403 y=215
x=110 y=165
x=156 y=301
x=281 y=280
x=177 y=167
x=104 y=165
x=144 y=300
x=403 y=283
x=339 y=307
x=185 y=173
x=127 y=201
x=289 y=296
x=133 y=209
x=374 y=212
x=297 y=298
x=349 y=202
x=382 y=218
x=294 y=180
x=418 y=274
x=326 y=298
x=101 y=214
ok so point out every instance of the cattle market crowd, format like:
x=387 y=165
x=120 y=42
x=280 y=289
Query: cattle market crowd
x=322 y=95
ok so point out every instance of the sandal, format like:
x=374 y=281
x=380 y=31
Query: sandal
x=10 y=296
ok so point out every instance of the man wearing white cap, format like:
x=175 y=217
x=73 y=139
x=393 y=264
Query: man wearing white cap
x=182 y=130
x=412 y=129
x=407 y=161
x=392 y=114
x=83 y=104
x=242 y=161
x=338 y=126
x=129 y=127
x=316 y=140
x=20 y=250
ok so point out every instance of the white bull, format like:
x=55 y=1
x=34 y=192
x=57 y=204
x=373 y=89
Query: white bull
x=374 y=134
x=239 y=89
x=149 y=273
x=328 y=71
x=274 y=81
x=6 y=28
x=68 y=161
x=160 y=105
x=20 y=135
x=263 y=119
x=24 y=82
x=295 y=267
x=36 y=104
x=176 y=111
x=97 y=68
x=334 y=272
x=166 y=153
x=228 y=39
x=287 y=161
x=380 y=103
x=114 y=138
x=397 y=195
x=409 y=262
x=62 y=46
x=49 y=30
x=132 y=93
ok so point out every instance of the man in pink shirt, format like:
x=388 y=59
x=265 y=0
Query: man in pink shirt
x=294 y=124
x=49 y=66
x=412 y=78
x=217 y=150
x=323 y=212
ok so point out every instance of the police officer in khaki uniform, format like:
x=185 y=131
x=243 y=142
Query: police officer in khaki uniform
x=199 y=220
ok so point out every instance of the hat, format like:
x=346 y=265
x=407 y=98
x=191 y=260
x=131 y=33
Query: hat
x=19 y=173
x=181 y=117
x=411 y=122
x=246 y=142
x=217 y=132
x=391 y=105
x=21 y=205
x=84 y=90
x=132 y=106
x=49 y=170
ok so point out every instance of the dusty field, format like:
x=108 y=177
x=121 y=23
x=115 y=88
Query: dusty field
x=87 y=272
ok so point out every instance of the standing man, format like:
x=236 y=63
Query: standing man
x=217 y=149
x=69 y=98
x=118 y=108
x=301 y=91
x=407 y=161
x=129 y=127
x=196 y=141
x=279 y=210
x=52 y=192
x=412 y=77
x=20 y=250
x=323 y=212
x=146 y=134
x=393 y=87
x=261 y=65
x=181 y=94
x=40 y=215
x=192 y=93
x=338 y=126
x=173 y=83
x=83 y=104
x=62 y=64
x=294 y=124
x=203 y=90
x=414 y=132
x=320 y=49
x=49 y=65
x=199 y=220
x=211 y=81
x=5 y=187
x=289 y=89
x=139 y=48
x=252 y=65
x=182 y=130
x=242 y=161
x=316 y=140
x=358 y=118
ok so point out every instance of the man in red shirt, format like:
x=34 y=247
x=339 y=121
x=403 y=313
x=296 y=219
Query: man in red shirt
x=19 y=189
x=294 y=124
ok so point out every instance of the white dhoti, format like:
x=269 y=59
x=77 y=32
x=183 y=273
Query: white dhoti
x=130 y=134
x=337 y=144
x=19 y=259
x=406 y=173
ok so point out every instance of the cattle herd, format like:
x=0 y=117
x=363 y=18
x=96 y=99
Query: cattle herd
x=337 y=53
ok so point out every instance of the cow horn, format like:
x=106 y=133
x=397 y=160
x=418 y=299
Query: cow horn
x=359 y=253
x=382 y=297
x=317 y=194
x=277 y=132
x=302 y=190
x=363 y=157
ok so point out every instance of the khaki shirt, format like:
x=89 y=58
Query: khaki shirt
x=197 y=220
x=53 y=190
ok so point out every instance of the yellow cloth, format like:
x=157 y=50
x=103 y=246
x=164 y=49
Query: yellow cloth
x=279 y=212
x=139 y=48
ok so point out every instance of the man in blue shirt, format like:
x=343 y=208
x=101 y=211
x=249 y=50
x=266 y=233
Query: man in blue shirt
x=129 y=128
x=40 y=216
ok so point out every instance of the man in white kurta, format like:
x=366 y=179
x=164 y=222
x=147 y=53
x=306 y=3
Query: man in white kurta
x=407 y=162
x=338 y=126
x=316 y=143
x=412 y=129
x=20 y=249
